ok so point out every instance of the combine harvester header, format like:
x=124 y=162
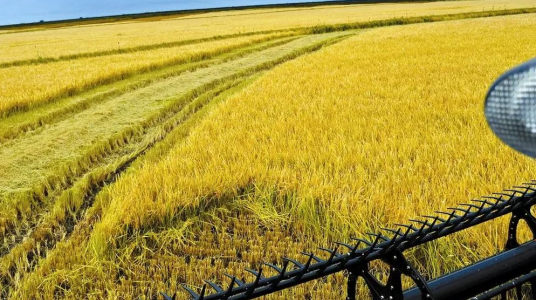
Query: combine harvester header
x=511 y=112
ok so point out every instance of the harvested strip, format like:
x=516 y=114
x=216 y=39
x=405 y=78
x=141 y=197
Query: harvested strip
x=119 y=50
x=32 y=161
x=58 y=222
x=49 y=113
x=100 y=37
x=70 y=206
x=25 y=86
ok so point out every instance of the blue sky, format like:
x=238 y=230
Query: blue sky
x=25 y=11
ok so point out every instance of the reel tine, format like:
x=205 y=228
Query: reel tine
x=373 y=246
x=256 y=273
x=276 y=268
x=281 y=274
x=470 y=206
x=308 y=263
x=435 y=218
x=356 y=246
x=203 y=291
x=411 y=227
x=501 y=195
x=465 y=211
x=497 y=199
x=295 y=262
x=527 y=188
x=408 y=229
x=237 y=281
x=345 y=245
x=283 y=270
x=230 y=289
x=362 y=241
x=376 y=235
x=390 y=230
x=258 y=277
x=167 y=297
x=393 y=240
x=424 y=224
x=216 y=287
x=483 y=203
x=376 y=241
x=305 y=268
x=333 y=253
x=451 y=215
x=194 y=295
x=514 y=192
x=318 y=259
x=396 y=234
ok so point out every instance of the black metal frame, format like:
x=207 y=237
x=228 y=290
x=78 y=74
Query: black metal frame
x=484 y=280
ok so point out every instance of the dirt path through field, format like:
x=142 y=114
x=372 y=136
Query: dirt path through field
x=30 y=160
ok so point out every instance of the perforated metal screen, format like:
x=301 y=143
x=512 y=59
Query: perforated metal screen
x=510 y=108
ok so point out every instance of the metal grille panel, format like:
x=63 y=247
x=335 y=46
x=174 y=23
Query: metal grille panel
x=511 y=108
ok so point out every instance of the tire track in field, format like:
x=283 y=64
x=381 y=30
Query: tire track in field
x=153 y=111
x=149 y=47
x=48 y=231
x=68 y=139
x=50 y=113
x=121 y=68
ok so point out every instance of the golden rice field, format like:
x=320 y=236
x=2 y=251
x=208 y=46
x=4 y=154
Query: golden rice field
x=34 y=84
x=137 y=156
x=94 y=39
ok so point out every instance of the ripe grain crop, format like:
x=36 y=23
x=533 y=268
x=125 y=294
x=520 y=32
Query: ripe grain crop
x=42 y=45
x=25 y=86
x=321 y=142
x=369 y=132
x=33 y=221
